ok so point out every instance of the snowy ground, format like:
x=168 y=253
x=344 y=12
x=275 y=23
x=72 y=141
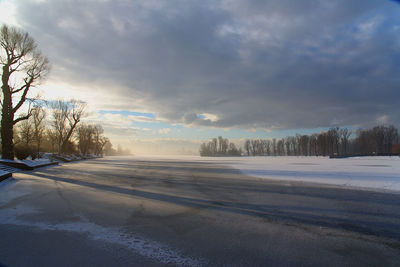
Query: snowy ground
x=378 y=173
x=31 y=163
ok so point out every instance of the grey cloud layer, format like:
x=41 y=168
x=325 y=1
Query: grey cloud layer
x=285 y=64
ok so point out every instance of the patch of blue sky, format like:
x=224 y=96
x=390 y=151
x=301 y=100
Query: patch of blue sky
x=156 y=129
x=128 y=113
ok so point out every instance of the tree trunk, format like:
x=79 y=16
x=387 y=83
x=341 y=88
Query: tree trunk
x=7 y=117
x=7 y=123
x=69 y=134
x=38 y=148
x=59 y=148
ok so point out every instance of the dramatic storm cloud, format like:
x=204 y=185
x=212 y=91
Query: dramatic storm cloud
x=245 y=64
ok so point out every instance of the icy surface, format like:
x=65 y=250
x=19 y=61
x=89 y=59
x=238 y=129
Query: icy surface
x=145 y=247
x=17 y=208
x=81 y=199
x=380 y=173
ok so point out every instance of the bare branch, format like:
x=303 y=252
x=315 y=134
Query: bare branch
x=23 y=56
x=23 y=97
x=21 y=118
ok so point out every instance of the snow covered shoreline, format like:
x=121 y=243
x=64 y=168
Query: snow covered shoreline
x=382 y=173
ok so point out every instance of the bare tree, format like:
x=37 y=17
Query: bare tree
x=287 y=145
x=102 y=145
x=297 y=142
x=333 y=141
x=392 y=136
x=247 y=147
x=84 y=135
x=313 y=144
x=253 y=146
x=66 y=116
x=266 y=147
x=344 y=139
x=303 y=145
x=293 y=142
x=222 y=145
x=59 y=121
x=110 y=151
x=274 y=146
x=233 y=151
x=38 y=116
x=216 y=147
x=322 y=144
x=19 y=54
x=51 y=136
x=100 y=140
x=74 y=115
x=25 y=132
x=280 y=147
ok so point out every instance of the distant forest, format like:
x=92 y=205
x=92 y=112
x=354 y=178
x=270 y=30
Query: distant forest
x=336 y=142
x=219 y=147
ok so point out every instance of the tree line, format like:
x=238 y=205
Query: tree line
x=379 y=140
x=54 y=126
x=219 y=147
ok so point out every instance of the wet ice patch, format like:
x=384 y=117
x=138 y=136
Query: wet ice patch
x=144 y=247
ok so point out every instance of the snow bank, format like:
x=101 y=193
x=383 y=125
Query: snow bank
x=365 y=172
x=31 y=163
x=36 y=162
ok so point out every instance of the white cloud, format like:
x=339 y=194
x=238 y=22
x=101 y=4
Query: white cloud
x=366 y=29
x=210 y=117
x=164 y=130
x=256 y=64
x=7 y=13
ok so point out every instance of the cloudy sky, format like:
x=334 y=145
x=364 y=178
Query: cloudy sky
x=168 y=74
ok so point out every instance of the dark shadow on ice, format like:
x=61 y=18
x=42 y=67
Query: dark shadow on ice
x=372 y=223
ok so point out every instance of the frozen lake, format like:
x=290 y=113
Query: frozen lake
x=192 y=211
x=377 y=173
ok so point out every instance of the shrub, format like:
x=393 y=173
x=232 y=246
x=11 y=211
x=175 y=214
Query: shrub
x=22 y=151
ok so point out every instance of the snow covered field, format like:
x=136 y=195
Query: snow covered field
x=379 y=173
